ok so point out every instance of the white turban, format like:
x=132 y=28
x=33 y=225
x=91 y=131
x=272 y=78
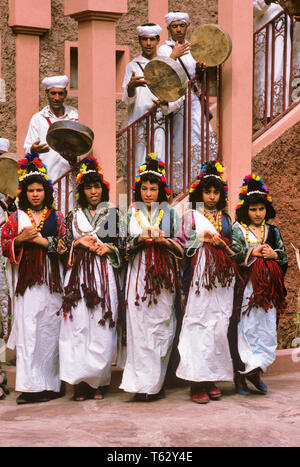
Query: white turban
x=149 y=30
x=56 y=82
x=4 y=144
x=177 y=16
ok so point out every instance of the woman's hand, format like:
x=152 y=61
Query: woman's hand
x=268 y=252
x=28 y=234
x=85 y=242
x=101 y=249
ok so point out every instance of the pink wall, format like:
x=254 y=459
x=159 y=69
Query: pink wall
x=30 y=13
x=97 y=76
x=29 y=19
x=237 y=94
x=157 y=9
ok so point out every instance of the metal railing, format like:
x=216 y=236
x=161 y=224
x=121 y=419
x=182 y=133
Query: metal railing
x=276 y=72
x=183 y=139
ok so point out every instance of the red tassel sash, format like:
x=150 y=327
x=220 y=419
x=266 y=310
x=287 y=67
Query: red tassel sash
x=33 y=270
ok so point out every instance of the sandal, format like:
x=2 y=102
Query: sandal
x=80 y=392
x=32 y=397
x=98 y=395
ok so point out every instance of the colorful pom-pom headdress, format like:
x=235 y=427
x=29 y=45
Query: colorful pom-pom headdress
x=89 y=165
x=252 y=185
x=156 y=167
x=30 y=166
x=211 y=169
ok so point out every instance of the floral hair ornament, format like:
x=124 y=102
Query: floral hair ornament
x=211 y=169
x=155 y=166
x=89 y=165
x=30 y=166
x=252 y=184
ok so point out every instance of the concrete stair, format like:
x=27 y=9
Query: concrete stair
x=287 y=361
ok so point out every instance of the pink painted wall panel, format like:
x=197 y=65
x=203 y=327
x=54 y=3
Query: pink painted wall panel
x=77 y=6
x=30 y=13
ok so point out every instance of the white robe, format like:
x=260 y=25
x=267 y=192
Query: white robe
x=203 y=344
x=56 y=164
x=138 y=105
x=190 y=64
x=257 y=335
x=86 y=347
x=150 y=330
x=35 y=331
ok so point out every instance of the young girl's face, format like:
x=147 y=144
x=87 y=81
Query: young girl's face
x=257 y=213
x=36 y=196
x=149 y=193
x=211 y=197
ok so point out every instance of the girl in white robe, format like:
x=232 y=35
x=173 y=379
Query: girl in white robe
x=203 y=345
x=91 y=292
x=152 y=282
x=260 y=252
x=29 y=240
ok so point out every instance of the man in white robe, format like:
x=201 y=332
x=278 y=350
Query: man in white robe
x=178 y=48
x=35 y=141
x=139 y=98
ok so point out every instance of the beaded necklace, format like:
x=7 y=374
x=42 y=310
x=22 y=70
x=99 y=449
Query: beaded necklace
x=262 y=233
x=41 y=224
x=215 y=218
x=83 y=233
x=157 y=222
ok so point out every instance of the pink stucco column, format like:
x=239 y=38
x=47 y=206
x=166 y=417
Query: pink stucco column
x=29 y=19
x=97 y=76
x=237 y=93
x=157 y=9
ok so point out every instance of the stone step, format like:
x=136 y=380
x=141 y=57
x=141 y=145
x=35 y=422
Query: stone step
x=287 y=361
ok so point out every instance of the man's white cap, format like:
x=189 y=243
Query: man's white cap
x=56 y=82
x=4 y=144
x=149 y=30
x=177 y=16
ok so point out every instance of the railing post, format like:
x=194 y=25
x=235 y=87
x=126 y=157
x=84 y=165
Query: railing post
x=237 y=79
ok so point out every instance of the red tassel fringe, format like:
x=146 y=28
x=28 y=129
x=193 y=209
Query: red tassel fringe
x=86 y=261
x=268 y=286
x=220 y=269
x=161 y=273
x=33 y=270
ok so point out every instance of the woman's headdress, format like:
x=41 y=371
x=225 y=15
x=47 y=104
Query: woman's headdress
x=156 y=167
x=252 y=185
x=213 y=169
x=89 y=165
x=31 y=166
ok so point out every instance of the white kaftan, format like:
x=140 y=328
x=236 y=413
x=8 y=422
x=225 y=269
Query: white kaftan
x=203 y=345
x=86 y=347
x=257 y=335
x=138 y=105
x=56 y=164
x=35 y=331
x=178 y=141
x=150 y=329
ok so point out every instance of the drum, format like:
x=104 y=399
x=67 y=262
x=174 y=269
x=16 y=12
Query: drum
x=9 y=173
x=70 y=137
x=166 y=79
x=210 y=44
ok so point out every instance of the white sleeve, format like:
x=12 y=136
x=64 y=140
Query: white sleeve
x=128 y=72
x=32 y=136
x=259 y=7
x=172 y=106
x=164 y=51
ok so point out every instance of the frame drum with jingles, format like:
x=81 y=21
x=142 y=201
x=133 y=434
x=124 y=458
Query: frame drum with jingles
x=165 y=78
x=70 y=137
x=210 y=44
x=9 y=173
